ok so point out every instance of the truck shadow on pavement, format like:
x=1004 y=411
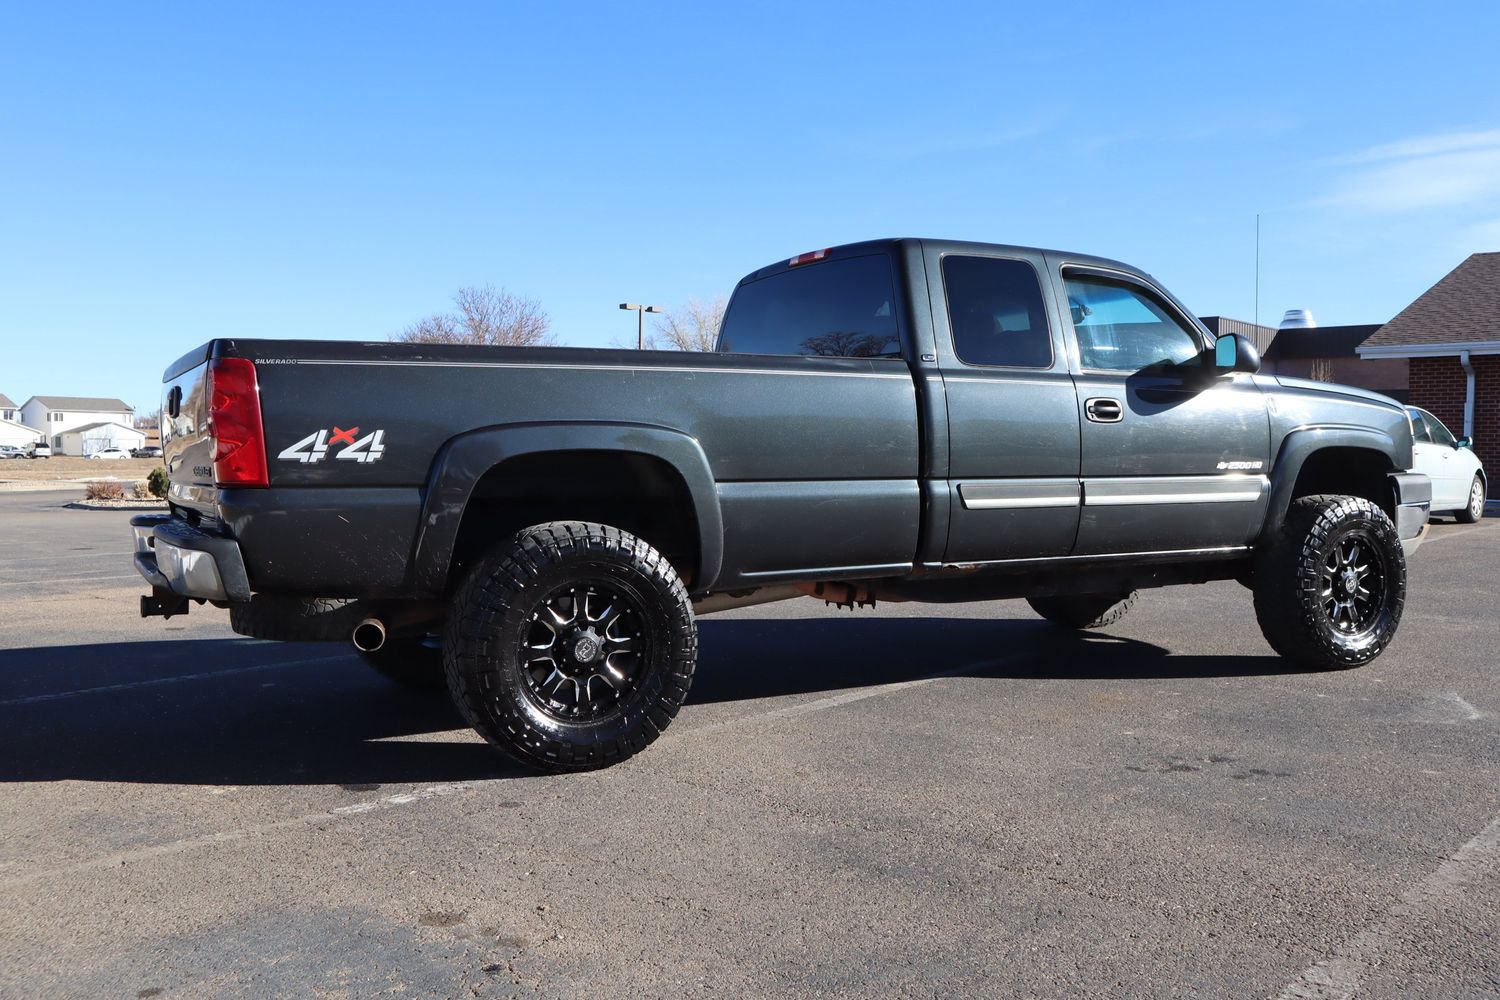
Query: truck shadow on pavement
x=234 y=712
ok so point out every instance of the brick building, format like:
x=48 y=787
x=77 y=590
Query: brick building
x=1451 y=338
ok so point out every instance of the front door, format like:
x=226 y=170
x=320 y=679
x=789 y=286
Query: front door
x=1173 y=457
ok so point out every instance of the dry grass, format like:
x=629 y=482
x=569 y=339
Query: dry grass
x=64 y=467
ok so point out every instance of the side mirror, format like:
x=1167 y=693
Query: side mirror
x=1233 y=353
x=1464 y=442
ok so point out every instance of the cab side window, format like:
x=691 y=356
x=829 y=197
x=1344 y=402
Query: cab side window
x=996 y=312
x=1124 y=327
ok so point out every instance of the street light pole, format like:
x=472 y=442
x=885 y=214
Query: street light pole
x=640 y=321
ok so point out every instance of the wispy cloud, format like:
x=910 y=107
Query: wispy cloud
x=1422 y=173
x=1006 y=131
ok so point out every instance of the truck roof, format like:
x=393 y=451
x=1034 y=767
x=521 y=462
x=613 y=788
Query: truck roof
x=942 y=246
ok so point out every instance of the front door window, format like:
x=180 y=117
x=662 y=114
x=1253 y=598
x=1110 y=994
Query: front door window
x=1124 y=328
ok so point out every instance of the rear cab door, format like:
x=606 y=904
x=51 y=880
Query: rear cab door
x=1013 y=435
x=1174 y=457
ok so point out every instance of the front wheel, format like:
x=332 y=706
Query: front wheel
x=1475 y=508
x=572 y=647
x=1330 y=586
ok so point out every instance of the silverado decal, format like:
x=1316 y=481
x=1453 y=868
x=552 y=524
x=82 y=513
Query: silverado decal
x=314 y=447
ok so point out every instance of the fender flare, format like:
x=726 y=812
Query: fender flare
x=1301 y=444
x=463 y=460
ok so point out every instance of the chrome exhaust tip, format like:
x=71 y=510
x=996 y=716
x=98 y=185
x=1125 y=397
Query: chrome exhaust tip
x=368 y=635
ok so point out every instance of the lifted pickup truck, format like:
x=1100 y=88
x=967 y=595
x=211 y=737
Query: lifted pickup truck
x=903 y=420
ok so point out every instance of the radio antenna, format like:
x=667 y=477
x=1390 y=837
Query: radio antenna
x=1257 y=270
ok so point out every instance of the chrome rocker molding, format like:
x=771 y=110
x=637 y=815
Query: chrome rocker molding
x=1031 y=493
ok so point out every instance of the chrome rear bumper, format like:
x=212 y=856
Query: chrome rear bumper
x=190 y=562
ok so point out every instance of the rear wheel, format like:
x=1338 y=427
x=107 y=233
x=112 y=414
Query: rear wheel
x=295 y=619
x=571 y=647
x=1330 y=587
x=1081 y=611
x=1475 y=508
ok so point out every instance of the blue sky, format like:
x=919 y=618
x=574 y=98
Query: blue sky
x=169 y=174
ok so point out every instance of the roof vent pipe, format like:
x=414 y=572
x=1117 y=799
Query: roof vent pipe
x=1298 y=319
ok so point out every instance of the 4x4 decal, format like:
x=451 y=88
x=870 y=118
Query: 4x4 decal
x=314 y=448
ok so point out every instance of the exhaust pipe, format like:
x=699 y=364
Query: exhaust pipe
x=368 y=635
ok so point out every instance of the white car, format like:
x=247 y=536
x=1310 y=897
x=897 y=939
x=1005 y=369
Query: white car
x=1458 y=480
x=111 y=453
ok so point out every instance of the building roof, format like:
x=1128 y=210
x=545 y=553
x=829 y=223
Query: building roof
x=102 y=423
x=1462 y=308
x=1259 y=335
x=1319 y=342
x=7 y=402
x=87 y=404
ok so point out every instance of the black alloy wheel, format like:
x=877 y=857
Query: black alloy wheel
x=570 y=647
x=1330 y=585
x=1351 y=587
x=583 y=651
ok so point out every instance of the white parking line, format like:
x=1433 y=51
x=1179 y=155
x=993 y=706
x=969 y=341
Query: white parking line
x=1457 y=533
x=834 y=701
x=101 y=554
x=208 y=840
x=438 y=791
x=48 y=580
x=1339 y=976
x=157 y=681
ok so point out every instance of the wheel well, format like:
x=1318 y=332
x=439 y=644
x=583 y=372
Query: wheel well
x=1358 y=472
x=637 y=493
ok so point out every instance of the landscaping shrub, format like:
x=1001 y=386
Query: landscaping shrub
x=156 y=482
x=141 y=490
x=101 y=490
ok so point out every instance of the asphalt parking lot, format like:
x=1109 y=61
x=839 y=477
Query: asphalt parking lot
x=917 y=801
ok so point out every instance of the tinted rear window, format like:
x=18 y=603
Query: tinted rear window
x=836 y=309
x=996 y=311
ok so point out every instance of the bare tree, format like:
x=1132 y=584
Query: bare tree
x=690 y=327
x=484 y=315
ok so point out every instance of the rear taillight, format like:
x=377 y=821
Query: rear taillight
x=234 y=423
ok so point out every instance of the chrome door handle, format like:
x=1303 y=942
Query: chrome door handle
x=1103 y=410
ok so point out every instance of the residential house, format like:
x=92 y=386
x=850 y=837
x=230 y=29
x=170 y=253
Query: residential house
x=90 y=438
x=12 y=431
x=1450 y=337
x=54 y=416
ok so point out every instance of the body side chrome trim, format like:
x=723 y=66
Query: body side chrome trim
x=1020 y=493
x=622 y=369
x=1226 y=551
x=1229 y=488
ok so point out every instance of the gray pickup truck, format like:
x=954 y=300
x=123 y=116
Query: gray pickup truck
x=897 y=420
